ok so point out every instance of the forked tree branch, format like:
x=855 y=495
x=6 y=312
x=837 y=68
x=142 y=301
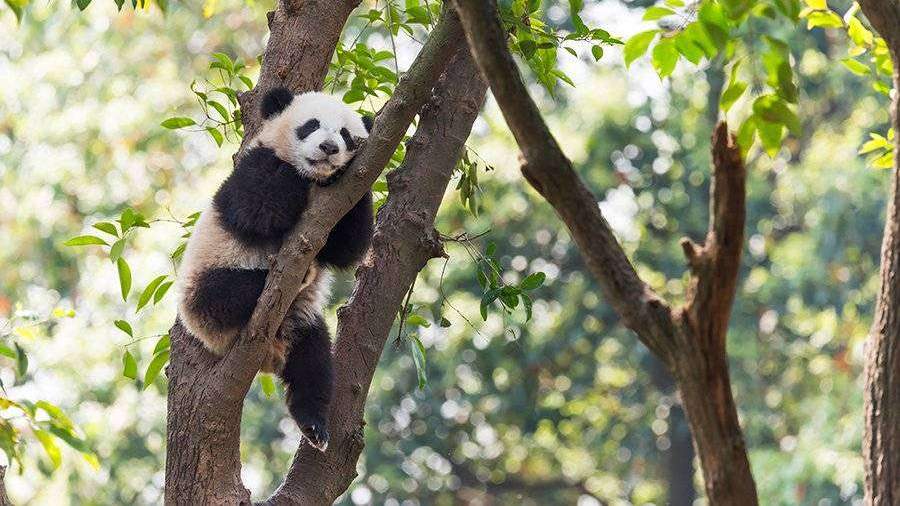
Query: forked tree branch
x=549 y=171
x=715 y=264
x=404 y=241
x=693 y=348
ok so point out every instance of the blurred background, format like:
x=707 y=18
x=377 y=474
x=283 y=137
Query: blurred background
x=568 y=409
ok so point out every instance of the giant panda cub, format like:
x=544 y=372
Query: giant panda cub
x=304 y=140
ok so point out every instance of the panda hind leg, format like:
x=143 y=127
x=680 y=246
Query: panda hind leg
x=308 y=377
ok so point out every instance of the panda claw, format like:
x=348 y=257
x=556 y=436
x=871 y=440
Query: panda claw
x=317 y=436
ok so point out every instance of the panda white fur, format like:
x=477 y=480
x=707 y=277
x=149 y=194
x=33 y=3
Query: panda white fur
x=305 y=139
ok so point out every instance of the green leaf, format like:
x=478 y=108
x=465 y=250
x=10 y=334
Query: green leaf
x=267 y=384
x=163 y=344
x=21 y=361
x=223 y=112
x=527 y=47
x=418 y=353
x=82 y=4
x=124 y=277
x=824 y=19
x=129 y=365
x=445 y=322
x=527 y=303
x=50 y=447
x=858 y=33
x=509 y=296
x=156 y=365
x=115 y=252
x=486 y=300
x=533 y=281
x=55 y=414
x=85 y=240
x=597 y=51
x=732 y=94
x=148 y=292
x=354 y=95
x=637 y=45
x=124 y=326
x=415 y=320
x=161 y=291
x=875 y=143
x=664 y=58
x=885 y=161
x=6 y=351
x=855 y=66
x=216 y=135
x=688 y=47
x=772 y=109
x=18 y=8
x=655 y=12
x=105 y=226
x=770 y=134
x=178 y=122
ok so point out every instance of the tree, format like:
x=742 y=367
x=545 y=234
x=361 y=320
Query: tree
x=689 y=340
x=881 y=447
x=206 y=395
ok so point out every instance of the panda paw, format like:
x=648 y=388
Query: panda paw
x=316 y=434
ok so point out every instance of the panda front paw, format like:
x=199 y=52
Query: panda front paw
x=316 y=434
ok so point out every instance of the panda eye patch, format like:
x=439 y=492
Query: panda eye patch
x=307 y=128
x=348 y=139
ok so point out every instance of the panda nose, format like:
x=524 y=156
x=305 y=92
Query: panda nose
x=329 y=148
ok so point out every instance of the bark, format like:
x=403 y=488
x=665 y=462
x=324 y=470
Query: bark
x=206 y=393
x=4 y=499
x=881 y=395
x=689 y=340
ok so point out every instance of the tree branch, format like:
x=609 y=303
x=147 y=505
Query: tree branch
x=548 y=170
x=404 y=241
x=715 y=265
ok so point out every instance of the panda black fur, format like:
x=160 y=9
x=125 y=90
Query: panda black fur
x=304 y=140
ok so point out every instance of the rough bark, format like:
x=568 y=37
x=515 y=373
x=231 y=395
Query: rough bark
x=700 y=365
x=4 y=499
x=404 y=241
x=689 y=340
x=206 y=393
x=881 y=395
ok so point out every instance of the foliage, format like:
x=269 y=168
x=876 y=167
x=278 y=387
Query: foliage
x=40 y=421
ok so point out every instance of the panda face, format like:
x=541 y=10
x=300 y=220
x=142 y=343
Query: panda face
x=314 y=132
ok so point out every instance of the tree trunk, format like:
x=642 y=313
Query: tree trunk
x=881 y=396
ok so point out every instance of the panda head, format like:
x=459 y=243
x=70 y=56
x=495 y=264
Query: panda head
x=316 y=133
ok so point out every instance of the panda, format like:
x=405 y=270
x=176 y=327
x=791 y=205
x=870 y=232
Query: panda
x=304 y=140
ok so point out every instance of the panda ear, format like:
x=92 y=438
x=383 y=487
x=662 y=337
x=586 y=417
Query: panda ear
x=368 y=121
x=275 y=101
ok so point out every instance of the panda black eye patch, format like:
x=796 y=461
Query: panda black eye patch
x=307 y=128
x=348 y=139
